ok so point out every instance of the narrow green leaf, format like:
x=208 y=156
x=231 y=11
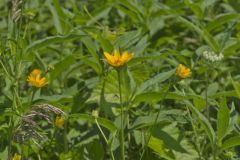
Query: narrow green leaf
x=168 y=140
x=203 y=121
x=102 y=121
x=203 y=33
x=61 y=66
x=51 y=40
x=236 y=87
x=231 y=142
x=220 y=20
x=161 y=77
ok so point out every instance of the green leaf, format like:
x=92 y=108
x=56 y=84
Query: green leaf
x=159 y=147
x=203 y=33
x=224 y=94
x=231 y=142
x=220 y=20
x=223 y=117
x=159 y=78
x=168 y=140
x=51 y=40
x=236 y=87
x=102 y=121
x=128 y=39
x=62 y=66
x=92 y=63
x=203 y=121
x=151 y=97
x=163 y=118
x=101 y=12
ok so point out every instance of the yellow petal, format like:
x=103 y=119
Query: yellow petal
x=116 y=54
x=108 y=57
x=36 y=72
x=126 y=57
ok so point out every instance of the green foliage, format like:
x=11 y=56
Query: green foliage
x=142 y=110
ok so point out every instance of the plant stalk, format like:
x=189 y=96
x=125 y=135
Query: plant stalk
x=122 y=114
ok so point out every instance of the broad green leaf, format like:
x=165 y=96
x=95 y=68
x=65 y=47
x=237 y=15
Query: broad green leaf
x=223 y=117
x=159 y=78
x=168 y=140
x=231 y=142
x=212 y=89
x=160 y=148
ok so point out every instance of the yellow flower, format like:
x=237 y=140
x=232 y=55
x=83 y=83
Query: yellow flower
x=35 y=79
x=59 y=121
x=16 y=157
x=183 y=72
x=116 y=60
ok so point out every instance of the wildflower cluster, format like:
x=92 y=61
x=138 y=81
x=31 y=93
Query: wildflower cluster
x=212 y=56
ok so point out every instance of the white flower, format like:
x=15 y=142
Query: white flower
x=212 y=56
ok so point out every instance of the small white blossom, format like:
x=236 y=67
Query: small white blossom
x=212 y=56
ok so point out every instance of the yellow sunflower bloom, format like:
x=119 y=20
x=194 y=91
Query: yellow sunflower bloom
x=59 y=122
x=117 y=60
x=35 y=79
x=183 y=72
x=16 y=157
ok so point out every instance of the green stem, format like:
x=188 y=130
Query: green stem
x=104 y=137
x=5 y=70
x=122 y=120
x=206 y=96
x=100 y=129
x=10 y=138
x=33 y=94
x=65 y=137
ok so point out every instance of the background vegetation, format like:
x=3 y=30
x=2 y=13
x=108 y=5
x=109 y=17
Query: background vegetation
x=166 y=117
